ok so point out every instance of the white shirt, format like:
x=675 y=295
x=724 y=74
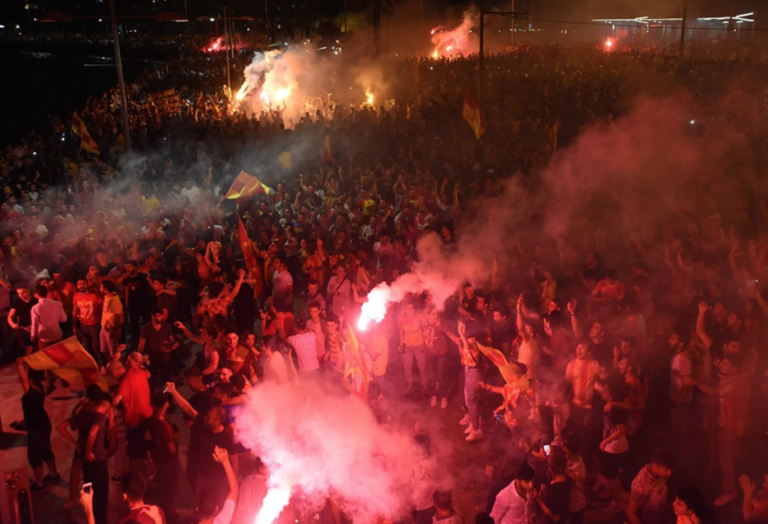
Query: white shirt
x=275 y=370
x=306 y=350
x=510 y=507
x=46 y=316
x=225 y=515
x=192 y=193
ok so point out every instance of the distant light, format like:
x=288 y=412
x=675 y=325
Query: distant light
x=100 y=20
x=693 y=122
x=213 y=20
x=2 y=26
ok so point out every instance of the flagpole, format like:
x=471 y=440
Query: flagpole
x=121 y=80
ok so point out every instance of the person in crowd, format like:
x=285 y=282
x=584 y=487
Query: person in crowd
x=305 y=344
x=86 y=319
x=133 y=396
x=156 y=341
x=47 y=317
x=470 y=360
x=733 y=395
x=424 y=479
x=93 y=427
x=112 y=319
x=209 y=432
x=445 y=511
x=38 y=426
x=134 y=487
x=162 y=438
x=512 y=504
x=20 y=318
x=553 y=498
x=410 y=325
x=208 y=509
x=648 y=496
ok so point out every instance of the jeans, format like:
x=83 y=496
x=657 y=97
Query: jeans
x=89 y=336
x=437 y=383
x=109 y=340
x=471 y=378
x=97 y=473
x=408 y=356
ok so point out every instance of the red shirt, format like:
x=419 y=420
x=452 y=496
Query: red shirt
x=134 y=388
x=89 y=308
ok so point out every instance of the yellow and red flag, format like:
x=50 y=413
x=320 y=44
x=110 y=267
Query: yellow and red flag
x=251 y=262
x=326 y=155
x=69 y=361
x=501 y=362
x=473 y=115
x=355 y=366
x=246 y=185
x=86 y=140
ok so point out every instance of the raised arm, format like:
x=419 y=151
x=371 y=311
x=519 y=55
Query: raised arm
x=578 y=331
x=221 y=456
x=187 y=333
x=238 y=284
x=701 y=328
x=184 y=406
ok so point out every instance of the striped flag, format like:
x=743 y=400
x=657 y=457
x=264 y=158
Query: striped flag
x=69 y=361
x=251 y=262
x=326 y=155
x=86 y=140
x=355 y=366
x=246 y=185
x=473 y=115
x=500 y=361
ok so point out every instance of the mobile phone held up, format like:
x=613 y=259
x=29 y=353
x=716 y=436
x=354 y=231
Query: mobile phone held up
x=87 y=487
x=547 y=449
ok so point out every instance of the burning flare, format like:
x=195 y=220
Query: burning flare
x=374 y=309
x=274 y=503
x=457 y=41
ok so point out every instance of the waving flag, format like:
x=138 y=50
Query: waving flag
x=356 y=367
x=325 y=154
x=473 y=115
x=70 y=361
x=500 y=361
x=246 y=185
x=86 y=140
x=251 y=262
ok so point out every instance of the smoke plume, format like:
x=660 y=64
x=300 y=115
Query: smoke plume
x=321 y=445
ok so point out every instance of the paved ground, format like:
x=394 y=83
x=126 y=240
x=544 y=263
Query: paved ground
x=470 y=482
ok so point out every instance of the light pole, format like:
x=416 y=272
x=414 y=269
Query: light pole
x=682 y=33
x=121 y=80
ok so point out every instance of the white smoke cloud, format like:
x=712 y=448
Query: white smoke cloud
x=322 y=445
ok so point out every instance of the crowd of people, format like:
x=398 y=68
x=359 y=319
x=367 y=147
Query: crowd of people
x=634 y=384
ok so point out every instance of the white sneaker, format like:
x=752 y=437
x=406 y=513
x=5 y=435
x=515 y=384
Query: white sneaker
x=444 y=403
x=474 y=435
x=433 y=401
x=464 y=421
